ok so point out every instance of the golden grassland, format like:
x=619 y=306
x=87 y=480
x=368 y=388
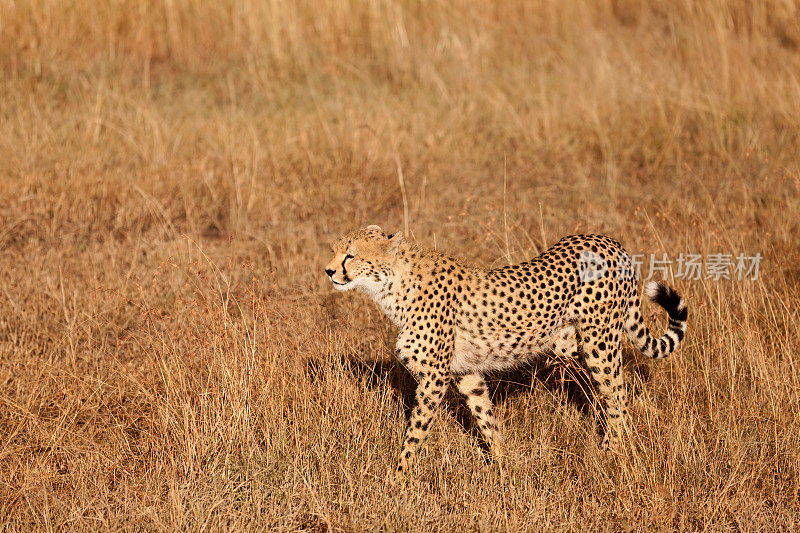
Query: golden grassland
x=171 y=175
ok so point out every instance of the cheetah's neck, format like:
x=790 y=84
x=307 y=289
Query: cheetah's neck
x=386 y=298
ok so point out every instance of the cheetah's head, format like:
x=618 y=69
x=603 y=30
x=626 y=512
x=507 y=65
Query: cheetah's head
x=363 y=259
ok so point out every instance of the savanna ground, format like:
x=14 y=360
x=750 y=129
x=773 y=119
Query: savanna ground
x=171 y=175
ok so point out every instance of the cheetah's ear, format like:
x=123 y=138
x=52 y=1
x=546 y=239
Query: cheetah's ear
x=394 y=240
x=374 y=227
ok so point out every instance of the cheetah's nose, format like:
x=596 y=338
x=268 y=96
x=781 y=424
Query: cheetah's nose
x=330 y=271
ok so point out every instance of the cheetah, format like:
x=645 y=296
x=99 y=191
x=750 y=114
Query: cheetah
x=457 y=322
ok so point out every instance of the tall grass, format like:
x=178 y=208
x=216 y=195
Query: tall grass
x=171 y=174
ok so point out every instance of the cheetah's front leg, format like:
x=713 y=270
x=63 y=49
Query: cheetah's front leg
x=431 y=386
x=425 y=351
x=474 y=389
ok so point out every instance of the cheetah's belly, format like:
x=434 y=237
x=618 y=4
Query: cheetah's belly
x=504 y=349
x=493 y=351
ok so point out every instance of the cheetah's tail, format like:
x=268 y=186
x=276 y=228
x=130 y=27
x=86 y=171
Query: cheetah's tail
x=674 y=305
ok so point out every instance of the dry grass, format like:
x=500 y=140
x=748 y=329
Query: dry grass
x=171 y=355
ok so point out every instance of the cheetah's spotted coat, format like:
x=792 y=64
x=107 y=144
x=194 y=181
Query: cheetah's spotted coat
x=457 y=322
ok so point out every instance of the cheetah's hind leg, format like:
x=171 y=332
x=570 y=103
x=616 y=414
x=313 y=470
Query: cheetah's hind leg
x=568 y=339
x=565 y=359
x=603 y=357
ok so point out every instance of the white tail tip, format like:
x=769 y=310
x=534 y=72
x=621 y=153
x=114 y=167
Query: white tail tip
x=651 y=289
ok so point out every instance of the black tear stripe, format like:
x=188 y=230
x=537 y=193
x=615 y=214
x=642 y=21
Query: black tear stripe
x=344 y=270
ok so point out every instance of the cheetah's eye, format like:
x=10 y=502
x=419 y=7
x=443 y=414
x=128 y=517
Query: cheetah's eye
x=348 y=256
